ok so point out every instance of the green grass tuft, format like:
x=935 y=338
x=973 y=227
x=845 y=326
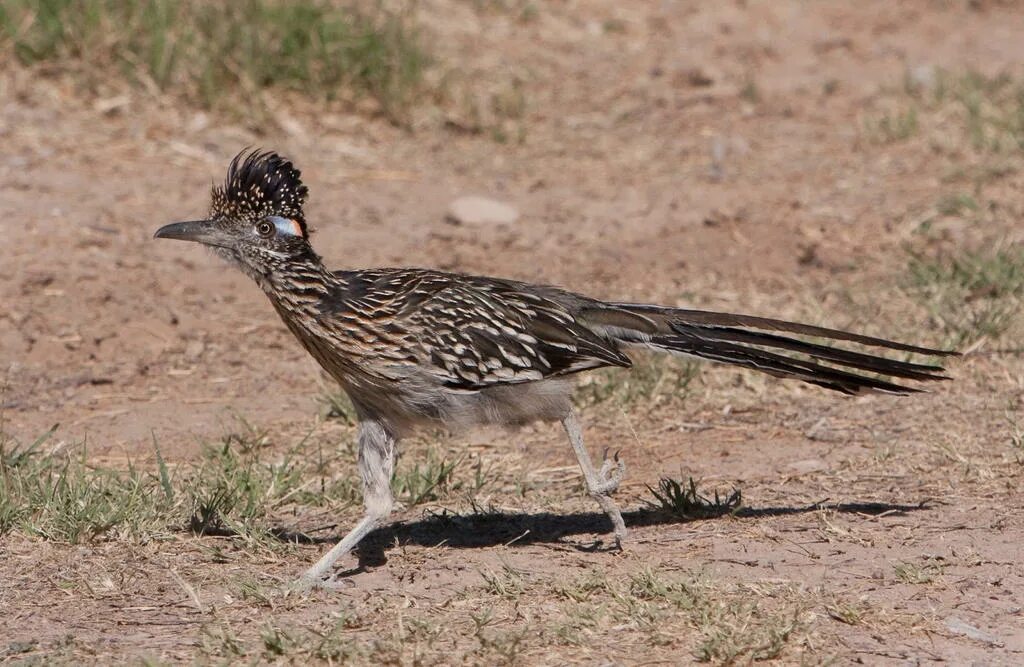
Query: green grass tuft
x=432 y=476
x=62 y=498
x=956 y=204
x=892 y=127
x=230 y=491
x=424 y=481
x=222 y=54
x=992 y=108
x=653 y=379
x=685 y=502
x=971 y=295
x=988 y=110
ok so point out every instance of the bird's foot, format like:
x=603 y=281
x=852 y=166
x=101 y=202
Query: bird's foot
x=306 y=583
x=610 y=475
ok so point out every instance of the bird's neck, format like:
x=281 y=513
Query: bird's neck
x=300 y=280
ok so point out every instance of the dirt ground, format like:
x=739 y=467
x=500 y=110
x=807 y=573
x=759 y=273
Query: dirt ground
x=731 y=155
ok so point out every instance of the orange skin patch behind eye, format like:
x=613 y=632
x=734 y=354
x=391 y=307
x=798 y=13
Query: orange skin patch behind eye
x=296 y=227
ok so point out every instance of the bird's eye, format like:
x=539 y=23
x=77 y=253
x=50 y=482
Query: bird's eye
x=266 y=229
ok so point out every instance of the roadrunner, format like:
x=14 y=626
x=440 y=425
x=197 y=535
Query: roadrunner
x=415 y=346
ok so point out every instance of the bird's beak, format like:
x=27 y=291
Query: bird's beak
x=200 y=231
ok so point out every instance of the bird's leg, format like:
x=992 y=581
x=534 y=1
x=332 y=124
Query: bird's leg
x=376 y=464
x=600 y=485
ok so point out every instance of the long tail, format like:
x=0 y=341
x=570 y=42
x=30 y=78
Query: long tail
x=745 y=340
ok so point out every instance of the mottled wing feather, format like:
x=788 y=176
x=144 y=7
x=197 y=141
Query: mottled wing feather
x=472 y=333
x=481 y=334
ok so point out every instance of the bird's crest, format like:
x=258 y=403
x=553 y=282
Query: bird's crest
x=260 y=184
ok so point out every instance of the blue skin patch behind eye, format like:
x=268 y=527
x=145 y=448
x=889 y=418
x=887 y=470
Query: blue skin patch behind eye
x=284 y=225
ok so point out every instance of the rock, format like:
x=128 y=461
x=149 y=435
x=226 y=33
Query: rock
x=922 y=78
x=808 y=466
x=194 y=350
x=960 y=627
x=473 y=210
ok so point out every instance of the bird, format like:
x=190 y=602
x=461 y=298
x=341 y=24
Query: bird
x=417 y=347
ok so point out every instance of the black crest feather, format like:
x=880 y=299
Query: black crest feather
x=261 y=183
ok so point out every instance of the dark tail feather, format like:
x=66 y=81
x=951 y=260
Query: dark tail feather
x=707 y=317
x=867 y=362
x=778 y=365
x=740 y=340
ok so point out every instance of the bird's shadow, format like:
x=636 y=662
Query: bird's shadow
x=489 y=529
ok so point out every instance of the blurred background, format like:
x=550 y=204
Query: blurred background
x=855 y=165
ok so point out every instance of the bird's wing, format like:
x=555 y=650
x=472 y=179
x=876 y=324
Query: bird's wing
x=473 y=333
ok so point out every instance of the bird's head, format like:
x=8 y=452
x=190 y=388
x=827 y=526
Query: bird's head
x=256 y=217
